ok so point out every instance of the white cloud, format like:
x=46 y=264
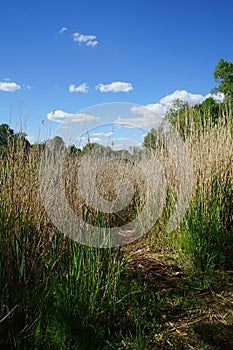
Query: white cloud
x=95 y=139
x=88 y=40
x=86 y=140
x=147 y=118
x=117 y=86
x=92 y=43
x=184 y=96
x=9 y=87
x=219 y=97
x=158 y=108
x=151 y=115
x=103 y=134
x=80 y=88
x=62 y=30
x=64 y=117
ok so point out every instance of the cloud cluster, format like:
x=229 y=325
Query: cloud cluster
x=117 y=86
x=83 y=88
x=88 y=40
x=147 y=116
x=162 y=106
x=184 y=96
x=103 y=134
x=60 y=116
x=9 y=86
x=144 y=118
x=150 y=115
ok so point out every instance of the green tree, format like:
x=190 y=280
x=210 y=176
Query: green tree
x=207 y=111
x=155 y=138
x=185 y=118
x=5 y=134
x=178 y=115
x=89 y=146
x=56 y=144
x=19 y=140
x=73 y=151
x=223 y=74
x=12 y=140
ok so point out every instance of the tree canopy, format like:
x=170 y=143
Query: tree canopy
x=223 y=74
x=9 y=137
x=155 y=138
x=5 y=133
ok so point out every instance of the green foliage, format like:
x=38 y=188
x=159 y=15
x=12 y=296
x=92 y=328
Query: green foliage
x=62 y=294
x=11 y=140
x=208 y=112
x=155 y=138
x=179 y=115
x=3 y=151
x=207 y=233
x=57 y=143
x=72 y=151
x=5 y=133
x=89 y=146
x=98 y=147
x=186 y=119
x=19 y=141
x=223 y=74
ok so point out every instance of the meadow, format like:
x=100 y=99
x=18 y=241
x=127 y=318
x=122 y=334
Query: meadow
x=163 y=291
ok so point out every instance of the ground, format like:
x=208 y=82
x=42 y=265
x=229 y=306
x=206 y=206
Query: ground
x=190 y=316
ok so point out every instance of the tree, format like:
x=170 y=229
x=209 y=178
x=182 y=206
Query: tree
x=56 y=144
x=5 y=134
x=207 y=111
x=89 y=146
x=155 y=138
x=73 y=151
x=12 y=140
x=178 y=115
x=185 y=118
x=223 y=74
x=19 y=140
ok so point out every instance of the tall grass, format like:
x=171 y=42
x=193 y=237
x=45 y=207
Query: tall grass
x=206 y=233
x=56 y=293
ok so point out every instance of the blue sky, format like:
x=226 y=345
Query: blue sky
x=61 y=57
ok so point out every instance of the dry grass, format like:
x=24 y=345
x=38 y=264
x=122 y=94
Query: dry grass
x=211 y=153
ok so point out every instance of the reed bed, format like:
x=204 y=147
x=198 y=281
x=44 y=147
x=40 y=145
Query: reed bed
x=57 y=293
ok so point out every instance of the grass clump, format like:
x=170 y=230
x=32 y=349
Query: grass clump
x=207 y=232
x=59 y=294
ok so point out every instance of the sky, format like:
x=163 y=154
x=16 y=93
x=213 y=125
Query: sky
x=60 y=58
